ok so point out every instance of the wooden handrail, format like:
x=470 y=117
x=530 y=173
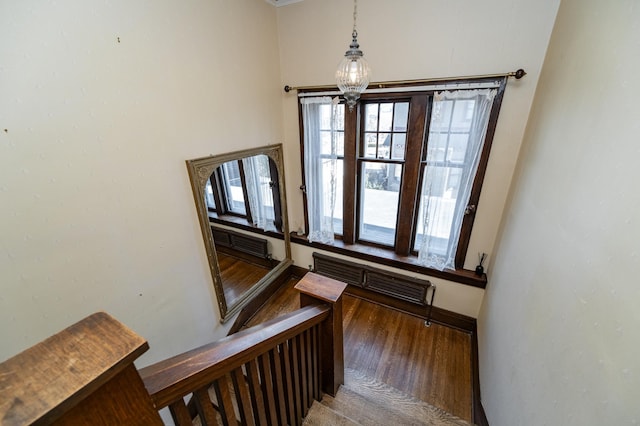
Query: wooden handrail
x=174 y=378
x=267 y=374
x=76 y=376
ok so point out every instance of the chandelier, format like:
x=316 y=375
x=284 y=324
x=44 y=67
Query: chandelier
x=353 y=74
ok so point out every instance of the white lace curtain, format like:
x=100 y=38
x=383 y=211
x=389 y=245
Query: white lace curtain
x=258 y=179
x=442 y=215
x=320 y=166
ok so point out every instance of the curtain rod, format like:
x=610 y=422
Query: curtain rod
x=517 y=74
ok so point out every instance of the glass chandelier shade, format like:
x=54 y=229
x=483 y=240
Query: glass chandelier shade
x=353 y=74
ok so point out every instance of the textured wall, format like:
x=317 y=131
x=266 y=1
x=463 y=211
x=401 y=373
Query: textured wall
x=404 y=39
x=102 y=103
x=560 y=326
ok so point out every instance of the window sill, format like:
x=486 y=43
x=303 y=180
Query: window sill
x=387 y=257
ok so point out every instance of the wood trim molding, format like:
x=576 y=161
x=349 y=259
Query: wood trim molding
x=478 y=415
x=298 y=271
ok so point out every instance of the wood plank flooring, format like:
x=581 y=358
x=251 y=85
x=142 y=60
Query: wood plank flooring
x=432 y=364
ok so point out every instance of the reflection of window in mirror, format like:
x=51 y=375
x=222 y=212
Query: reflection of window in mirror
x=234 y=188
x=243 y=191
x=209 y=200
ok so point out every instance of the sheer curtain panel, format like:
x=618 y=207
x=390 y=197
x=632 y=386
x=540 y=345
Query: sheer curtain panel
x=457 y=132
x=320 y=166
x=258 y=182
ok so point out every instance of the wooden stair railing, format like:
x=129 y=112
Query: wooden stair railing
x=269 y=374
x=83 y=375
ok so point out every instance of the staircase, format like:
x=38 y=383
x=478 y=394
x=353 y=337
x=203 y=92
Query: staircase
x=285 y=371
x=363 y=400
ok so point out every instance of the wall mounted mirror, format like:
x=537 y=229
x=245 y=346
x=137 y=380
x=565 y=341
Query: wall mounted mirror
x=242 y=210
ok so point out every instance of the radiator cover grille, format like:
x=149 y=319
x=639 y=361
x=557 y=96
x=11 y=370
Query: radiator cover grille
x=395 y=285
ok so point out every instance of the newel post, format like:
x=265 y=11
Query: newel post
x=315 y=289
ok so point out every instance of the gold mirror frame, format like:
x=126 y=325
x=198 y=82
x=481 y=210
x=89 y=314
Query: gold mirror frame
x=200 y=169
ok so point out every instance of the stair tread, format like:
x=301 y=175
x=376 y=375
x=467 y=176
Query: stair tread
x=322 y=415
x=367 y=401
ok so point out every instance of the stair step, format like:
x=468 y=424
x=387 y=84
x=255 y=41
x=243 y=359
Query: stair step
x=387 y=396
x=365 y=401
x=362 y=411
x=321 y=415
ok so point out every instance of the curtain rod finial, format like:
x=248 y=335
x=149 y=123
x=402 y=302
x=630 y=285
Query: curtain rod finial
x=519 y=74
x=287 y=88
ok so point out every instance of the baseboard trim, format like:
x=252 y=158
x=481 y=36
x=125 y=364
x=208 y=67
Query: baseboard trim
x=478 y=414
x=480 y=418
x=297 y=271
x=438 y=315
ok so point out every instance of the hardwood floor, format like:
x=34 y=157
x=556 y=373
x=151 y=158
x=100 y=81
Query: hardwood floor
x=432 y=364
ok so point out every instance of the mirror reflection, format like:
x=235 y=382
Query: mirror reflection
x=246 y=189
x=241 y=207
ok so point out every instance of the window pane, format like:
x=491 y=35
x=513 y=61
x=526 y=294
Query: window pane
x=337 y=212
x=384 y=145
x=326 y=146
x=462 y=115
x=371 y=118
x=340 y=144
x=400 y=117
x=332 y=183
x=233 y=187
x=370 y=145
x=379 y=202
x=443 y=185
x=398 y=148
x=441 y=116
x=436 y=148
x=339 y=118
x=457 y=147
x=325 y=117
x=386 y=113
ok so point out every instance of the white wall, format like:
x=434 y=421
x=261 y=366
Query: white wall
x=406 y=39
x=560 y=325
x=96 y=211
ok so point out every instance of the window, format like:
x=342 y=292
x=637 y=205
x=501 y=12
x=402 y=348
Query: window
x=404 y=171
x=243 y=192
x=380 y=165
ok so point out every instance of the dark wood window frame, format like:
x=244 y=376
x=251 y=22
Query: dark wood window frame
x=402 y=255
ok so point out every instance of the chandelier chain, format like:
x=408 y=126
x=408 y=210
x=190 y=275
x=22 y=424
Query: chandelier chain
x=355 y=11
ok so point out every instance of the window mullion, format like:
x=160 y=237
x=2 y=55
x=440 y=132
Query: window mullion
x=411 y=173
x=350 y=176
